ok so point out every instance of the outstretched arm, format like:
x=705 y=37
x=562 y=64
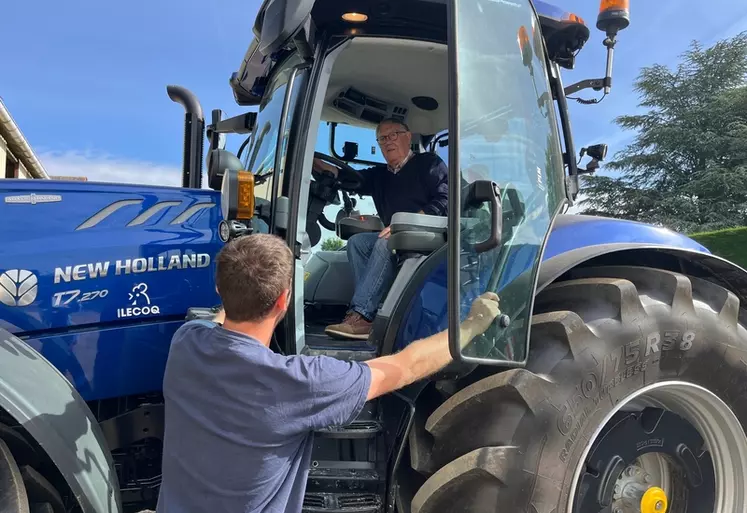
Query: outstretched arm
x=429 y=355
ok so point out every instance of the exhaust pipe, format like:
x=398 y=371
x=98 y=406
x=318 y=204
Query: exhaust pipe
x=194 y=128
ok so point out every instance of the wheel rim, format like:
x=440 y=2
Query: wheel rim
x=722 y=434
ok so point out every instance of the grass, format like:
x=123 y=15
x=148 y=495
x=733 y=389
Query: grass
x=730 y=244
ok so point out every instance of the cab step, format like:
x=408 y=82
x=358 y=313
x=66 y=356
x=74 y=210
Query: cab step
x=317 y=502
x=346 y=354
x=335 y=474
x=356 y=429
x=322 y=340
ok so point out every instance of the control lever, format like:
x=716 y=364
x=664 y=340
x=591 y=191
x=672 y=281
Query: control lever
x=348 y=202
x=477 y=193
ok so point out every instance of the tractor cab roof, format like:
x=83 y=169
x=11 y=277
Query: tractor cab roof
x=282 y=26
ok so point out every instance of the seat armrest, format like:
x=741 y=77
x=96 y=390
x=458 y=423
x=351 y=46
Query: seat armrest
x=349 y=226
x=417 y=233
x=406 y=221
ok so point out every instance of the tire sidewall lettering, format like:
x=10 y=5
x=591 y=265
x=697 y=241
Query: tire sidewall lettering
x=614 y=370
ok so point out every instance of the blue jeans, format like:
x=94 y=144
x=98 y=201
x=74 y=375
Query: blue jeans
x=373 y=269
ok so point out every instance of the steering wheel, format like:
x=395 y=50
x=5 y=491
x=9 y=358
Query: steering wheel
x=347 y=178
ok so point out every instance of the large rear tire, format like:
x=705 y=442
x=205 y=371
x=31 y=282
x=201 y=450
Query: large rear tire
x=23 y=489
x=632 y=371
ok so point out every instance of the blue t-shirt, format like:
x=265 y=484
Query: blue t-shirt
x=239 y=420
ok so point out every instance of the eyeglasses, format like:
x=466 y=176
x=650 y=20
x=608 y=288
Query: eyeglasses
x=389 y=137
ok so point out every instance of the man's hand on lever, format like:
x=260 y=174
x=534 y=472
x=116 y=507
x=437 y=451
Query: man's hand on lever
x=481 y=316
x=429 y=355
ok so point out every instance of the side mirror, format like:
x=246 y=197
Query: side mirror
x=220 y=161
x=237 y=195
x=598 y=151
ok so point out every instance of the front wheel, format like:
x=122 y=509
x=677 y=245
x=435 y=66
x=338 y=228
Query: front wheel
x=23 y=488
x=634 y=400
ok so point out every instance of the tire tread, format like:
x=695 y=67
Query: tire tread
x=484 y=468
x=569 y=333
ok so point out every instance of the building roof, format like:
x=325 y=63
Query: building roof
x=18 y=145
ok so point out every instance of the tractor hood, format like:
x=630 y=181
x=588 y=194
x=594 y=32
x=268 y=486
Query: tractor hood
x=82 y=254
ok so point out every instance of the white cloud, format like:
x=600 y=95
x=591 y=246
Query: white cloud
x=102 y=167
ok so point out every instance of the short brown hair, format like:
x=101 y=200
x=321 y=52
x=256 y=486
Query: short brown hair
x=251 y=274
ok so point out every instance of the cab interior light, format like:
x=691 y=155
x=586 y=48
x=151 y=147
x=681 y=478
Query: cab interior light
x=355 y=17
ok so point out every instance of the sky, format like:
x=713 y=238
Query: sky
x=86 y=80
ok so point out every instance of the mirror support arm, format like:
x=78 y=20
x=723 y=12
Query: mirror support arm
x=597 y=84
x=241 y=124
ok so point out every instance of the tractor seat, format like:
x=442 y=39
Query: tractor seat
x=417 y=233
x=348 y=226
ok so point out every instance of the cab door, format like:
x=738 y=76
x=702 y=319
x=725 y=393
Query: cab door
x=505 y=169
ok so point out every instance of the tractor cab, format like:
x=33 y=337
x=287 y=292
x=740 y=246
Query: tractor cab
x=476 y=83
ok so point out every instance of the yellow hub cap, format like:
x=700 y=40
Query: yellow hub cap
x=654 y=501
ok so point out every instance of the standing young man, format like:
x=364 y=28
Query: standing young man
x=240 y=418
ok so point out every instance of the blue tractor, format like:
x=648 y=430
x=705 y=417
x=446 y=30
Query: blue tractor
x=614 y=380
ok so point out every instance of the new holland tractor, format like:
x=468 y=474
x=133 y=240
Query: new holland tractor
x=614 y=380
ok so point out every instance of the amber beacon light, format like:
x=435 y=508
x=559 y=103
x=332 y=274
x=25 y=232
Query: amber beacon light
x=614 y=16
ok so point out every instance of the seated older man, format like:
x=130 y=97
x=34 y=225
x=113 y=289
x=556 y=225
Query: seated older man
x=409 y=182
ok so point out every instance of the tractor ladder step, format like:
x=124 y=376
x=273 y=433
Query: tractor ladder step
x=358 y=353
x=336 y=474
x=356 y=429
x=317 y=502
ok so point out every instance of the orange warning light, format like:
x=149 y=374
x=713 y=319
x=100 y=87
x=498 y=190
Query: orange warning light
x=614 y=16
x=245 y=200
x=614 y=5
x=574 y=18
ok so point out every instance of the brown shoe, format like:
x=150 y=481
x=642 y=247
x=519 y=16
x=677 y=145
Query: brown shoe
x=354 y=326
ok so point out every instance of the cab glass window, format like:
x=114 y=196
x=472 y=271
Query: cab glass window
x=260 y=158
x=332 y=142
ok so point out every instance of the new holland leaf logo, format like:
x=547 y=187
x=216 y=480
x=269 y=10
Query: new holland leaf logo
x=18 y=287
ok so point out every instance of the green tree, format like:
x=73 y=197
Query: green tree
x=332 y=244
x=687 y=167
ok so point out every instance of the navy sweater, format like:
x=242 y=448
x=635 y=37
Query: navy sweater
x=421 y=184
